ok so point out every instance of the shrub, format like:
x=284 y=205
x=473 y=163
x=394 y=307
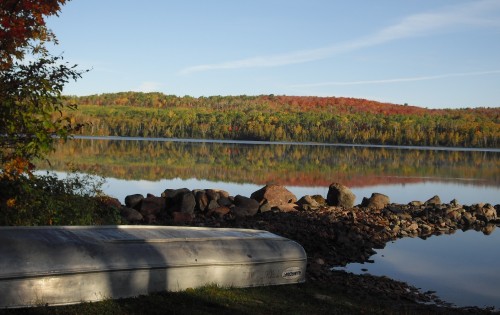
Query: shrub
x=48 y=200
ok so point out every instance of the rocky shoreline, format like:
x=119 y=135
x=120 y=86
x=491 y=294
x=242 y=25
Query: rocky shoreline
x=332 y=230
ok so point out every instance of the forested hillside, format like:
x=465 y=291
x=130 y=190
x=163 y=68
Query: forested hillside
x=284 y=118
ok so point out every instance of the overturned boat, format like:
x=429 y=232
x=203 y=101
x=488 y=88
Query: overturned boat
x=72 y=264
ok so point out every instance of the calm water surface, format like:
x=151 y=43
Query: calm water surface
x=134 y=165
x=462 y=268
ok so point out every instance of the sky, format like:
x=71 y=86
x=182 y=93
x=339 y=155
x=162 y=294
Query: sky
x=427 y=53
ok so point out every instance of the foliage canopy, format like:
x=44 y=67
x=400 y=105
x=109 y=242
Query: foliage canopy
x=285 y=118
x=31 y=83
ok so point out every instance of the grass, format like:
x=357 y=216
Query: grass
x=305 y=298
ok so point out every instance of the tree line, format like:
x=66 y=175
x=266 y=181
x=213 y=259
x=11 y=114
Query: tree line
x=284 y=118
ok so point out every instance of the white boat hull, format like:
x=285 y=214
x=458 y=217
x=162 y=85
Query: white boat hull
x=67 y=265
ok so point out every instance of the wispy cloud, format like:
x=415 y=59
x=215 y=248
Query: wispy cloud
x=471 y=13
x=397 y=80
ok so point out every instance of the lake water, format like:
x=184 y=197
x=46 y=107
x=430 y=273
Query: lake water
x=462 y=268
x=134 y=165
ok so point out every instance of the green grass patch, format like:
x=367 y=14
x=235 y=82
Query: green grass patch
x=285 y=299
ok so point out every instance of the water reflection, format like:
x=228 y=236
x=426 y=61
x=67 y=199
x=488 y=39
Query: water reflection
x=462 y=268
x=403 y=174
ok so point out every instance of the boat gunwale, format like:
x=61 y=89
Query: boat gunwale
x=131 y=227
x=140 y=268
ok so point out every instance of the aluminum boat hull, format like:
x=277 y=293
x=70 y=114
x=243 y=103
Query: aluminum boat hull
x=73 y=264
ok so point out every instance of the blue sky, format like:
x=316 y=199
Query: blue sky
x=428 y=53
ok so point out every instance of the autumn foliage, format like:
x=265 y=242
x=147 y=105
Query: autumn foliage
x=31 y=83
x=23 y=22
x=285 y=118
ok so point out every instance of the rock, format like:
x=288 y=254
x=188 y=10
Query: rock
x=265 y=207
x=415 y=203
x=131 y=215
x=275 y=195
x=319 y=261
x=412 y=227
x=152 y=205
x=487 y=212
x=319 y=199
x=219 y=211
x=224 y=202
x=150 y=219
x=133 y=201
x=426 y=228
x=182 y=217
x=289 y=207
x=433 y=201
x=212 y=194
x=215 y=194
x=488 y=229
x=453 y=215
x=212 y=205
x=454 y=203
x=174 y=194
x=340 y=196
x=395 y=208
x=222 y=193
x=490 y=211
x=376 y=201
x=188 y=203
x=201 y=200
x=396 y=229
x=309 y=201
x=244 y=206
x=468 y=218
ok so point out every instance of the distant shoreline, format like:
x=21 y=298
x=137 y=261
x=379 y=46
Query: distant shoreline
x=307 y=143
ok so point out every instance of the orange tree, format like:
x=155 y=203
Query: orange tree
x=31 y=83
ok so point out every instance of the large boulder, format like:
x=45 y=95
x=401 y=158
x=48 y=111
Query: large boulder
x=376 y=201
x=485 y=212
x=179 y=200
x=244 y=206
x=212 y=205
x=340 y=196
x=187 y=203
x=308 y=203
x=152 y=205
x=212 y=194
x=202 y=200
x=133 y=201
x=215 y=194
x=182 y=217
x=225 y=202
x=131 y=215
x=434 y=201
x=273 y=195
x=219 y=212
x=289 y=207
x=174 y=194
